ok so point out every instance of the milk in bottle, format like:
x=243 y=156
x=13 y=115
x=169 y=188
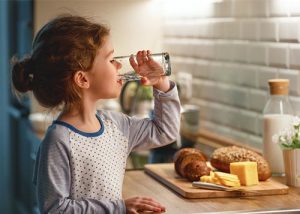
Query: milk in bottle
x=277 y=116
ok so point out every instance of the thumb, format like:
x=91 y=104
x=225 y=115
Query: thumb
x=145 y=81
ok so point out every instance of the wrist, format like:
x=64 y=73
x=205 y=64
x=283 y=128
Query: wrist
x=163 y=85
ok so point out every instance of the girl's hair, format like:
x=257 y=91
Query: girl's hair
x=63 y=46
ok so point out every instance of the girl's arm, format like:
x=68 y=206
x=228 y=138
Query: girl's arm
x=163 y=128
x=158 y=131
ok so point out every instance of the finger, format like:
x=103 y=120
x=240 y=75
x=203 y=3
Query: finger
x=133 y=63
x=132 y=211
x=148 y=54
x=147 y=198
x=155 y=205
x=154 y=65
x=139 y=57
x=147 y=207
x=145 y=81
x=152 y=202
x=145 y=58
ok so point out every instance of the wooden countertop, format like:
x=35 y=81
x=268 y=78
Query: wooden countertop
x=138 y=183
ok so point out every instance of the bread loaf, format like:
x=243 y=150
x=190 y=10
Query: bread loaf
x=222 y=157
x=190 y=163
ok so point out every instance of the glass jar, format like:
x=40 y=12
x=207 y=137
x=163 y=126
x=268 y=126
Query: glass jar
x=277 y=116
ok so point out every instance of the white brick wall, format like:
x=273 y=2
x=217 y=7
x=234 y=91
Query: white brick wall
x=278 y=55
x=249 y=29
x=258 y=99
x=264 y=74
x=288 y=30
x=232 y=48
x=257 y=53
x=294 y=77
x=294 y=9
x=279 y=7
x=294 y=50
x=239 y=51
x=268 y=30
x=227 y=29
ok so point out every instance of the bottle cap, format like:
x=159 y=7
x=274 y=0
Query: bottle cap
x=279 y=86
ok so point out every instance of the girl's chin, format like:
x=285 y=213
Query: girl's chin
x=113 y=94
x=118 y=93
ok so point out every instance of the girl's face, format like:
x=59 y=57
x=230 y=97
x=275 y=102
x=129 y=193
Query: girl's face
x=103 y=76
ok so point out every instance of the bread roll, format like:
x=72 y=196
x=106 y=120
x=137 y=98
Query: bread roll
x=184 y=151
x=181 y=161
x=194 y=170
x=222 y=157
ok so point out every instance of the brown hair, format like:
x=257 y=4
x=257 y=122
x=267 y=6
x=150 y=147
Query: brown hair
x=63 y=46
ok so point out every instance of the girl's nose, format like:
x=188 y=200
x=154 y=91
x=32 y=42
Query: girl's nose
x=119 y=65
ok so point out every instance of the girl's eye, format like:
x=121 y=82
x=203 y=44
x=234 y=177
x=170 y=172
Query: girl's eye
x=112 y=61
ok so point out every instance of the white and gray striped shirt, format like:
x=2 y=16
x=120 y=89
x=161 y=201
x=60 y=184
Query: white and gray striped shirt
x=79 y=172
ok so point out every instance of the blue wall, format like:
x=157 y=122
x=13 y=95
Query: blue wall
x=17 y=139
x=5 y=151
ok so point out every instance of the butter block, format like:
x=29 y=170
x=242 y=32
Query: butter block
x=246 y=172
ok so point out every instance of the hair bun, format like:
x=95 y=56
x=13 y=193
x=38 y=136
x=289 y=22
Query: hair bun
x=22 y=74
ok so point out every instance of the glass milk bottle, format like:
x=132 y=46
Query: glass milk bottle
x=277 y=116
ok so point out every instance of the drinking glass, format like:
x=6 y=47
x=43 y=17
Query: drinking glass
x=127 y=72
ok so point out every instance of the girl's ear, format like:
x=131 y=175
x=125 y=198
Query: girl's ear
x=81 y=80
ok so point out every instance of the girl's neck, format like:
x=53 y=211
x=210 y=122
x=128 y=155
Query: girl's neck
x=81 y=117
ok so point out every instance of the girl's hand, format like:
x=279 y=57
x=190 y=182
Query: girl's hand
x=140 y=204
x=150 y=70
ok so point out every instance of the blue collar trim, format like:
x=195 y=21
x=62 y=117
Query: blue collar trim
x=86 y=134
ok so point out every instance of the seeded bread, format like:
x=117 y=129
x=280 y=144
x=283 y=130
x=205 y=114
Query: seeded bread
x=222 y=157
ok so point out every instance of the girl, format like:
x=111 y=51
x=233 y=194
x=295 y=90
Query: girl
x=81 y=161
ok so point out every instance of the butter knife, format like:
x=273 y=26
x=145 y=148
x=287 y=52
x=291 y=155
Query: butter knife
x=211 y=186
x=205 y=185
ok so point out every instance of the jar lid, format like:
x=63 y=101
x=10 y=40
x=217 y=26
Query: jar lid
x=279 y=86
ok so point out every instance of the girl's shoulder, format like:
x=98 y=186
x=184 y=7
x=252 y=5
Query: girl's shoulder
x=56 y=134
x=114 y=116
x=55 y=143
x=119 y=119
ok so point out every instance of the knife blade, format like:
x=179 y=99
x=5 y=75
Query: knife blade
x=211 y=186
x=206 y=185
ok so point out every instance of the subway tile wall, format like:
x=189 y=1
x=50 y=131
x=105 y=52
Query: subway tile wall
x=232 y=48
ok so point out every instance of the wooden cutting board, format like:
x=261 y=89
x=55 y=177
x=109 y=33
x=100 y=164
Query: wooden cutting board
x=166 y=174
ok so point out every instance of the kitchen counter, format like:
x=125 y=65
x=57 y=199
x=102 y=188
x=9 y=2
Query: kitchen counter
x=138 y=183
